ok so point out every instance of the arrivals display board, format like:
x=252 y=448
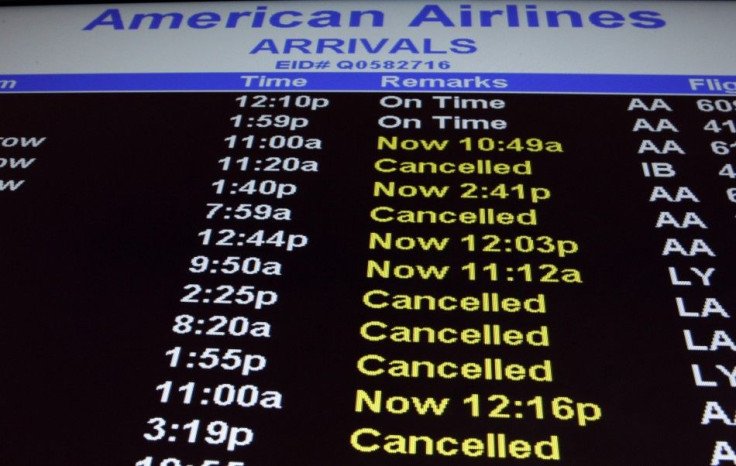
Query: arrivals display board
x=368 y=233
